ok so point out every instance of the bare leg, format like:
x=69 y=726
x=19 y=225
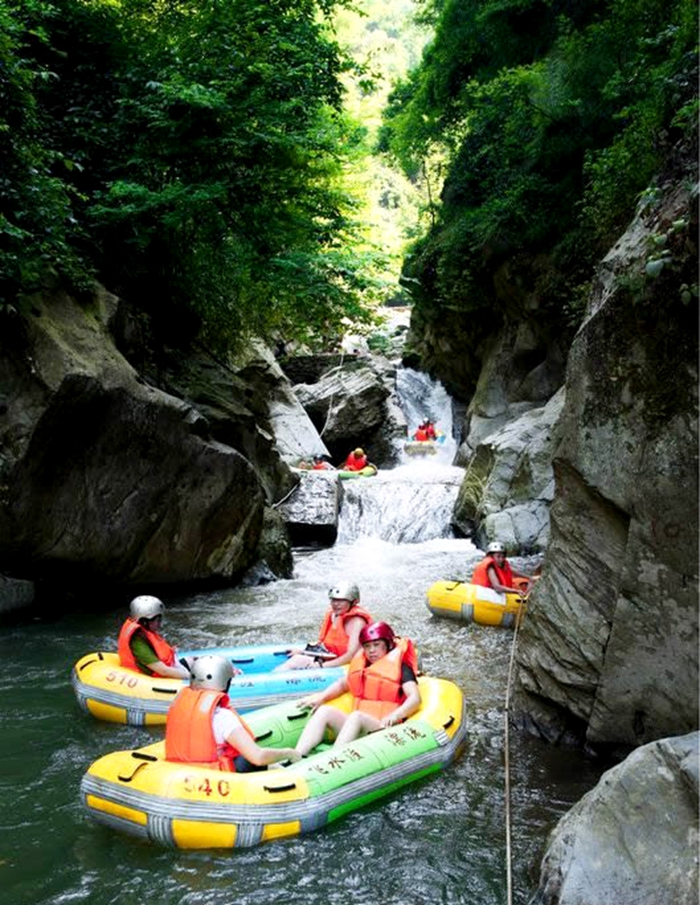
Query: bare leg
x=296 y=661
x=325 y=718
x=357 y=724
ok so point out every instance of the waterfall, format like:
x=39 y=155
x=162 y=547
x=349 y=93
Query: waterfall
x=405 y=505
x=421 y=397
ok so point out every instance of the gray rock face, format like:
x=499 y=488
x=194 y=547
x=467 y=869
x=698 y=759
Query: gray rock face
x=354 y=404
x=311 y=510
x=633 y=839
x=105 y=477
x=509 y=483
x=611 y=638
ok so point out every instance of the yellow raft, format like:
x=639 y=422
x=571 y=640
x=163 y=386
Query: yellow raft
x=473 y=603
x=189 y=806
x=109 y=691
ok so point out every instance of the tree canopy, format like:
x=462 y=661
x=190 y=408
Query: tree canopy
x=188 y=153
x=552 y=116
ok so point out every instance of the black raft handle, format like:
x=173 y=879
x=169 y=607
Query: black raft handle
x=287 y=788
x=164 y=690
x=242 y=660
x=297 y=716
x=448 y=723
x=261 y=738
x=98 y=657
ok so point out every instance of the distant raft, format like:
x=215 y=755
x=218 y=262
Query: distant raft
x=111 y=692
x=473 y=603
x=367 y=472
x=420 y=447
x=194 y=806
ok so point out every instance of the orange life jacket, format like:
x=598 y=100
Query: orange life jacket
x=421 y=435
x=335 y=637
x=377 y=688
x=161 y=648
x=355 y=463
x=189 y=734
x=480 y=575
x=430 y=432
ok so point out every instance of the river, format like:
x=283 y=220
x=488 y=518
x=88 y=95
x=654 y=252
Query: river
x=442 y=840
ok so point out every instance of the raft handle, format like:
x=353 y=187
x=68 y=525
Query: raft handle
x=164 y=690
x=298 y=716
x=261 y=738
x=287 y=788
x=139 y=756
x=448 y=723
x=90 y=662
x=243 y=660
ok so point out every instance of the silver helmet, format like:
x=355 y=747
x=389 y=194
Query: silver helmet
x=146 y=607
x=344 y=590
x=211 y=672
x=496 y=547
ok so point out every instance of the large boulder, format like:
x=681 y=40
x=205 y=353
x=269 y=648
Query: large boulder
x=633 y=839
x=103 y=475
x=355 y=404
x=509 y=482
x=609 y=650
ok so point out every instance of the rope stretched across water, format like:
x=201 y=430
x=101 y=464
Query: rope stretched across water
x=509 y=873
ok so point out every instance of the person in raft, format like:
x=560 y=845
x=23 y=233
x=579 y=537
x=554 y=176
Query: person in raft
x=356 y=461
x=494 y=571
x=382 y=680
x=339 y=635
x=322 y=464
x=141 y=646
x=203 y=728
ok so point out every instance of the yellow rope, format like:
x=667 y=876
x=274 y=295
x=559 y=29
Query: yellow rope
x=509 y=873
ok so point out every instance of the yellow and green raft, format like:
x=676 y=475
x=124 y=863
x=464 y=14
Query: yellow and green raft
x=473 y=603
x=190 y=806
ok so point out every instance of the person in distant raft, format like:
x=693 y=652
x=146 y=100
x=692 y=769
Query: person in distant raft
x=356 y=461
x=494 y=571
x=382 y=680
x=339 y=635
x=142 y=647
x=203 y=728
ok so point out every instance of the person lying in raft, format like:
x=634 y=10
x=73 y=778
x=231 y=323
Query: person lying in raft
x=494 y=571
x=203 y=728
x=382 y=680
x=339 y=636
x=141 y=646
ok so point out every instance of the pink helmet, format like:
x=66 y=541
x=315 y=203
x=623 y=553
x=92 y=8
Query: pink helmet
x=378 y=631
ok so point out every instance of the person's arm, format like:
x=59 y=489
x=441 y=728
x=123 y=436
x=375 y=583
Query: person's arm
x=406 y=708
x=146 y=657
x=353 y=628
x=169 y=672
x=252 y=752
x=495 y=583
x=314 y=701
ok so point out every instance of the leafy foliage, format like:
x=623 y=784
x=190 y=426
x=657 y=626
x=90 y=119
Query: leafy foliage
x=552 y=116
x=193 y=152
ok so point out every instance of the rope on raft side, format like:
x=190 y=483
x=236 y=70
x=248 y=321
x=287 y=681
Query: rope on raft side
x=506 y=752
x=330 y=401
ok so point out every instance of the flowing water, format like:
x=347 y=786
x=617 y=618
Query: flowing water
x=441 y=840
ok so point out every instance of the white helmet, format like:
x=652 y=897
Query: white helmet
x=496 y=547
x=345 y=590
x=146 y=607
x=211 y=672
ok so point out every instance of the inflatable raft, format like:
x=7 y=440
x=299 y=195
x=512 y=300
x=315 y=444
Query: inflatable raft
x=113 y=693
x=367 y=472
x=420 y=447
x=473 y=603
x=188 y=806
